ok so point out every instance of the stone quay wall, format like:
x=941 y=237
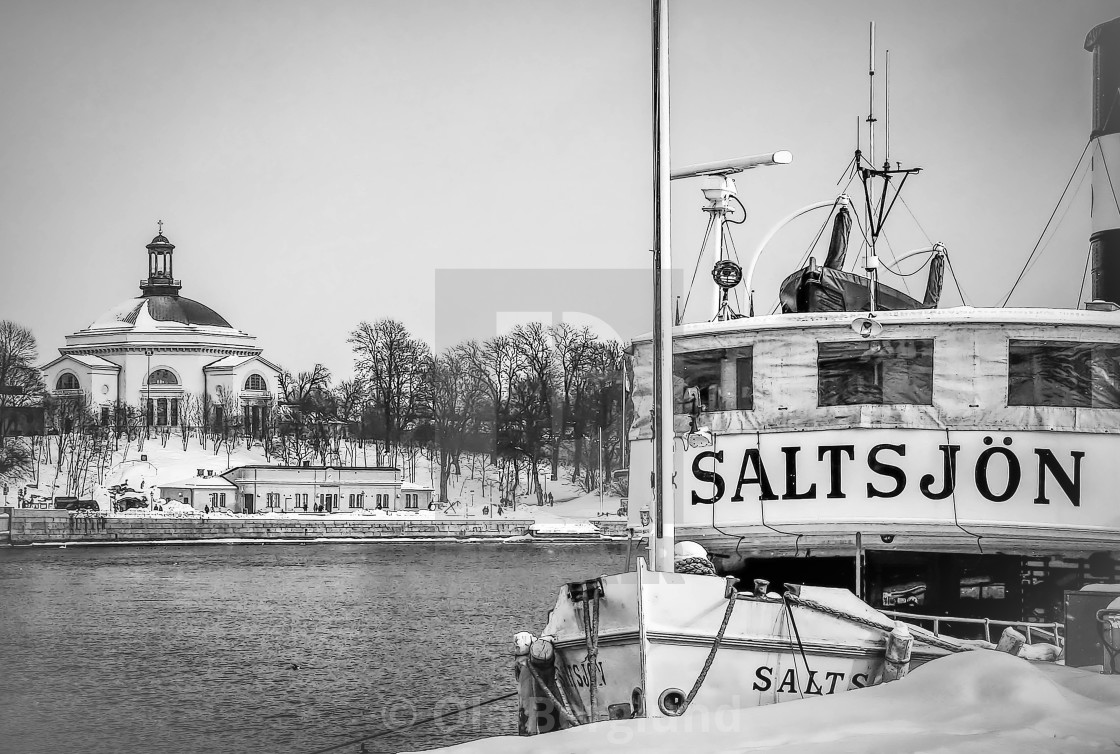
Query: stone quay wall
x=29 y=526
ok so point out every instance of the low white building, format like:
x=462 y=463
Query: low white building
x=416 y=496
x=316 y=488
x=205 y=489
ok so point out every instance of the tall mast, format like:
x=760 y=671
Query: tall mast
x=664 y=519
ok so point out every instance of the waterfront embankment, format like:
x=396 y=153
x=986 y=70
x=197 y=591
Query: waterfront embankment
x=34 y=526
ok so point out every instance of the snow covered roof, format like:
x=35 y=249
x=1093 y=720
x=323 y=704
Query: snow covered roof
x=199 y=482
x=87 y=360
x=160 y=312
x=235 y=361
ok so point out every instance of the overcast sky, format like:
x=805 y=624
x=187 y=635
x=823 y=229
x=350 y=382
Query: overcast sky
x=316 y=164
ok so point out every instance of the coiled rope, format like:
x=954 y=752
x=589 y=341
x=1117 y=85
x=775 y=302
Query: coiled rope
x=697 y=566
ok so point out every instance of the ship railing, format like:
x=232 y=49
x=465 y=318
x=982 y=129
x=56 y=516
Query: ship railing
x=1050 y=633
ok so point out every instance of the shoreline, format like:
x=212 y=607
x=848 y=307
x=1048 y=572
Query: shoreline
x=37 y=527
x=319 y=541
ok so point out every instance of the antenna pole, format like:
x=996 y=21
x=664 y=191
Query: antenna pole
x=871 y=97
x=871 y=261
x=887 y=111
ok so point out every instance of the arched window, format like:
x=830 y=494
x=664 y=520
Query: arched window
x=67 y=381
x=255 y=382
x=162 y=377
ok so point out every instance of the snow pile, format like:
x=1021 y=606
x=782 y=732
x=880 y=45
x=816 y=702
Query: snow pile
x=562 y=527
x=174 y=507
x=970 y=702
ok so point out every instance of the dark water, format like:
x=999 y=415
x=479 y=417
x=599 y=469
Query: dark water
x=191 y=649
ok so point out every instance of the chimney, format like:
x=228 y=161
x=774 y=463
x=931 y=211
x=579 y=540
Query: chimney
x=201 y=472
x=1104 y=243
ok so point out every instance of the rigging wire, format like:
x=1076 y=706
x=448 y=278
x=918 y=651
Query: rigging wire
x=1084 y=274
x=696 y=269
x=956 y=282
x=1108 y=175
x=920 y=267
x=848 y=171
x=905 y=283
x=915 y=219
x=735 y=258
x=804 y=258
x=1062 y=218
x=1037 y=244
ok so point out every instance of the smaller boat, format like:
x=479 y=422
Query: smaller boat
x=644 y=643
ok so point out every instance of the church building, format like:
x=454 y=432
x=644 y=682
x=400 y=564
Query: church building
x=168 y=355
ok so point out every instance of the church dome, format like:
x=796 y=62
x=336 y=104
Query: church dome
x=159 y=312
x=160 y=308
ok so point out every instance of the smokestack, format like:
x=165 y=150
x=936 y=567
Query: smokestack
x=1104 y=42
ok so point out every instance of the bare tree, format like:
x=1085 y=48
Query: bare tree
x=499 y=365
x=454 y=393
x=392 y=363
x=573 y=357
x=19 y=376
x=532 y=429
x=225 y=424
x=307 y=413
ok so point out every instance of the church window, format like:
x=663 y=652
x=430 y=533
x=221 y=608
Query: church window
x=255 y=382
x=162 y=377
x=67 y=381
x=104 y=416
x=161 y=412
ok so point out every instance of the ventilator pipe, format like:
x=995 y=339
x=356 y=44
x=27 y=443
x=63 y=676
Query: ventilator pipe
x=841 y=201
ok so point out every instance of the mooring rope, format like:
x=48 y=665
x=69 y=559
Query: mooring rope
x=731 y=600
x=924 y=636
x=561 y=706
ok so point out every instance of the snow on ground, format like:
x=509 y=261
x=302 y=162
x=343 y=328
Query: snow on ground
x=978 y=702
x=570 y=512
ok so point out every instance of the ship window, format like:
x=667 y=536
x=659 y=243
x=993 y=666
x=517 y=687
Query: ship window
x=885 y=372
x=721 y=380
x=1077 y=375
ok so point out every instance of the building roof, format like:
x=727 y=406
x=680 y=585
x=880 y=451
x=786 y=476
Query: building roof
x=85 y=359
x=313 y=468
x=154 y=313
x=201 y=482
x=233 y=362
